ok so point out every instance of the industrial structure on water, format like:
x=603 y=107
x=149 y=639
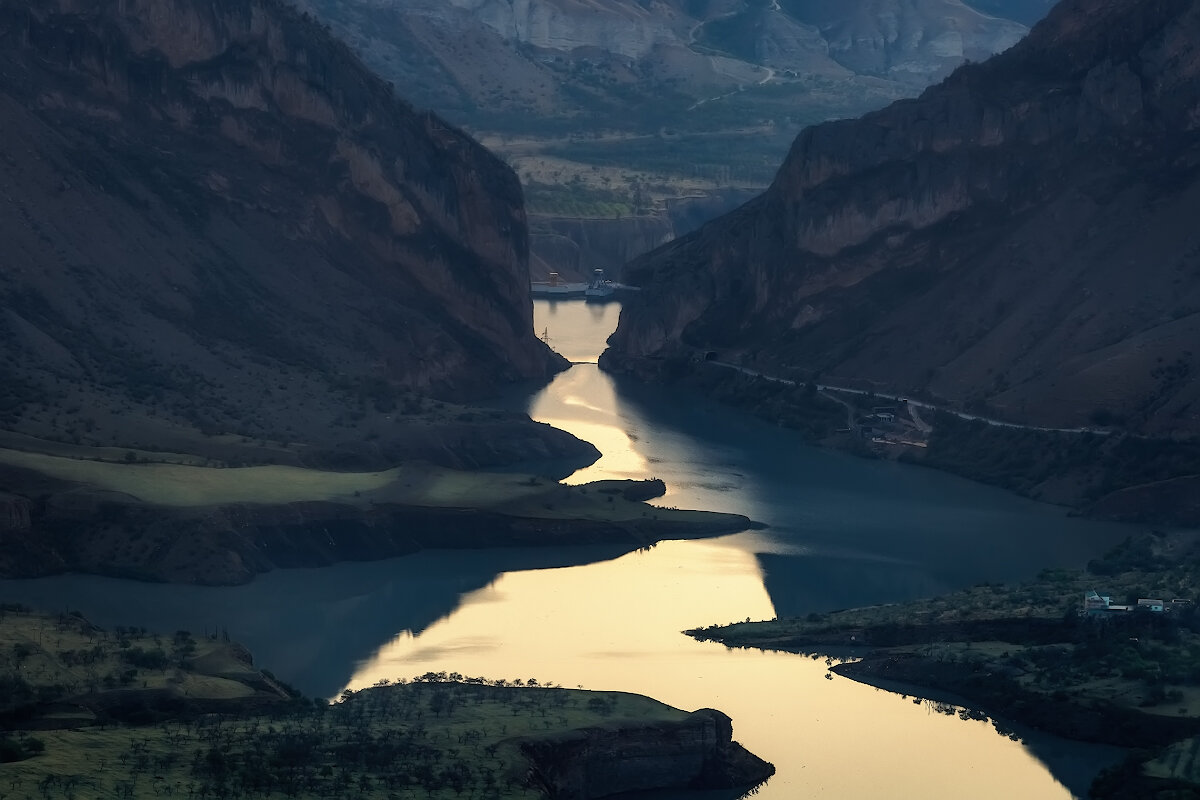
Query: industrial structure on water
x=597 y=290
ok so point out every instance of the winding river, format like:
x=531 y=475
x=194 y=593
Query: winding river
x=843 y=531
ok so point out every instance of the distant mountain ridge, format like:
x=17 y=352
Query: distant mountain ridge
x=216 y=218
x=486 y=61
x=1027 y=12
x=613 y=110
x=1020 y=239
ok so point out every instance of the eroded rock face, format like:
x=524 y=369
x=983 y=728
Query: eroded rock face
x=627 y=29
x=597 y=762
x=214 y=210
x=14 y=513
x=573 y=247
x=530 y=66
x=1020 y=236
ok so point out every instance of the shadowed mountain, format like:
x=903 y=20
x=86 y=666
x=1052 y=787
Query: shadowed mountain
x=1019 y=239
x=216 y=219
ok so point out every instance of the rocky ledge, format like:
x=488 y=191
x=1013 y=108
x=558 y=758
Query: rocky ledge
x=695 y=753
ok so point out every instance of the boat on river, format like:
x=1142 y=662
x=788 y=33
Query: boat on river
x=600 y=289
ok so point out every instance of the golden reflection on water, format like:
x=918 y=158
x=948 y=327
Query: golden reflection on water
x=582 y=404
x=616 y=625
x=620 y=459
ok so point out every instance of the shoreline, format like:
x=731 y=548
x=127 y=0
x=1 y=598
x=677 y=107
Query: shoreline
x=1038 y=655
x=1133 y=486
x=196 y=525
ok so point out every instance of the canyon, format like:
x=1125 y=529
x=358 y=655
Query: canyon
x=613 y=112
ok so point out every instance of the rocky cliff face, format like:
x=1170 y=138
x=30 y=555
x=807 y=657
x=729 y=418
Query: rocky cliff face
x=215 y=216
x=626 y=29
x=1020 y=237
x=909 y=41
x=14 y=513
x=697 y=753
x=575 y=247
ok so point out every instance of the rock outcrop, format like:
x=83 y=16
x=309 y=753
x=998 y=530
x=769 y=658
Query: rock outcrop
x=696 y=753
x=1020 y=238
x=14 y=513
x=573 y=247
x=215 y=216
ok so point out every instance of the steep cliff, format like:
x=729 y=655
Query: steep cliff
x=216 y=218
x=694 y=753
x=610 y=109
x=14 y=513
x=1020 y=238
x=574 y=247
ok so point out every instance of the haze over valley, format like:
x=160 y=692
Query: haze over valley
x=631 y=123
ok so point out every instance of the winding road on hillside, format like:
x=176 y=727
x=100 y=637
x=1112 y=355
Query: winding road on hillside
x=914 y=404
x=770 y=76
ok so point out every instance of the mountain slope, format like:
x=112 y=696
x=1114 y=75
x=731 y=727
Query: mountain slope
x=216 y=218
x=611 y=109
x=1019 y=239
x=637 y=66
x=1027 y=12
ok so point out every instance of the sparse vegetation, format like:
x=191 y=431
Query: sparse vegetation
x=204 y=724
x=801 y=408
x=1024 y=461
x=1029 y=653
x=160 y=521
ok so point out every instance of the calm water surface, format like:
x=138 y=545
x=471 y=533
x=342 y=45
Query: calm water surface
x=843 y=532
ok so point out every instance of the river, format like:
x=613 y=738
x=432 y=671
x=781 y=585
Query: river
x=843 y=531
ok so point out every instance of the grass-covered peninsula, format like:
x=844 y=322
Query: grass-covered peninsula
x=166 y=516
x=127 y=713
x=1122 y=669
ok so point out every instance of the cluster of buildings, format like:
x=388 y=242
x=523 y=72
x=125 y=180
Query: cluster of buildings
x=1096 y=604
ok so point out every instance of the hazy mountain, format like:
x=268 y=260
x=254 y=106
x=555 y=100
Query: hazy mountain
x=1021 y=238
x=214 y=217
x=1024 y=11
x=639 y=65
x=613 y=110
